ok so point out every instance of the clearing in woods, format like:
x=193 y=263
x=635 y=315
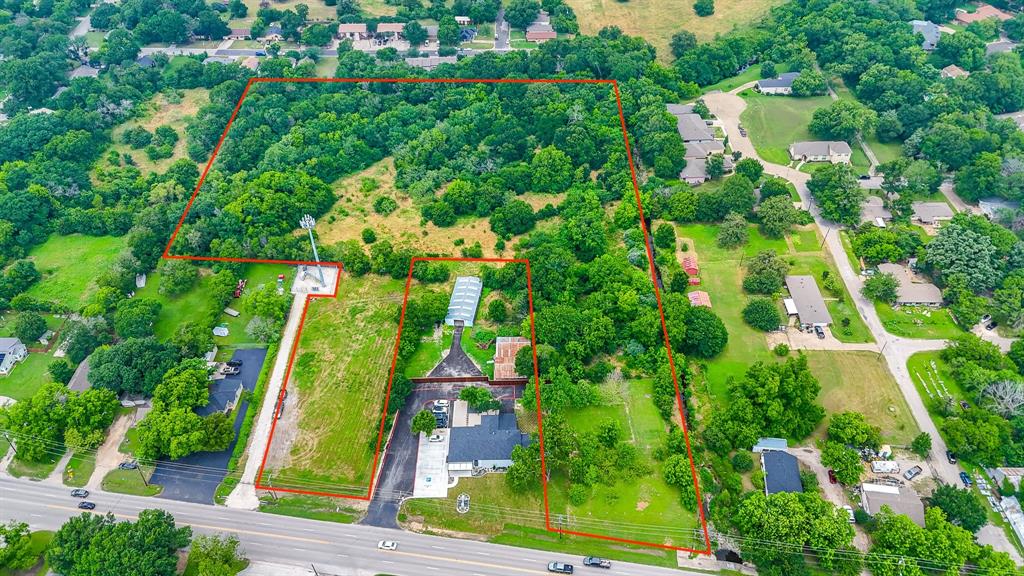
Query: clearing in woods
x=656 y=20
x=173 y=109
x=327 y=435
x=354 y=212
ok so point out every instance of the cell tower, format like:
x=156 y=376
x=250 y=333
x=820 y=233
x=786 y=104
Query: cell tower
x=307 y=223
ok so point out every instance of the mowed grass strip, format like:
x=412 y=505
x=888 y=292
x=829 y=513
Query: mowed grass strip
x=70 y=266
x=341 y=376
x=861 y=382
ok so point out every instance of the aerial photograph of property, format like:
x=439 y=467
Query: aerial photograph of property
x=503 y=287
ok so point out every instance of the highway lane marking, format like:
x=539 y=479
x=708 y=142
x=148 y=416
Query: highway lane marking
x=437 y=547
x=468 y=562
x=211 y=527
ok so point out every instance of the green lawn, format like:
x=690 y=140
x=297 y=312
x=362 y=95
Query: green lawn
x=311 y=507
x=861 y=382
x=79 y=469
x=934 y=381
x=34 y=470
x=40 y=541
x=840 y=305
x=130 y=481
x=196 y=305
x=918 y=322
x=70 y=266
x=749 y=75
x=339 y=379
x=27 y=377
x=775 y=122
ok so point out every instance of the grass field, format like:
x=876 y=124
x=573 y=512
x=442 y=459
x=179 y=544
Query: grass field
x=749 y=75
x=657 y=20
x=311 y=507
x=340 y=377
x=646 y=505
x=34 y=470
x=130 y=482
x=775 y=122
x=934 y=381
x=70 y=265
x=28 y=376
x=79 y=469
x=173 y=109
x=861 y=382
x=196 y=304
x=916 y=322
x=40 y=541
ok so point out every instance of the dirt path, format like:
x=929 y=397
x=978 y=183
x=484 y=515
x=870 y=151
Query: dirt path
x=108 y=456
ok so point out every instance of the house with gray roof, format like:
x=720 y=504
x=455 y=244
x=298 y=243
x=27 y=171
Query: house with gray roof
x=12 y=351
x=810 y=305
x=993 y=207
x=931 y=212
x=781 y=84
x=781 y=472
x=224 y=396
x=873 y=210
x=911 y=292
x=900 y=499
x=84 y=71
x=999 y=46
x=487 y=446
x=696 y=170
x=692 y=127
x=821 y=151
x=929 y=30
x=464 y=301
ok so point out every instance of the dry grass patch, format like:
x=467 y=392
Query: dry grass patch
x=657 y=20
x=163 y=109
x=354 y=211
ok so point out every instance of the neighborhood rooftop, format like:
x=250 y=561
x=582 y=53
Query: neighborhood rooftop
x=929 y=30
x=820 y=148
x=910 y=292
x=929 y=212
x=810 y=305
x=902 y=500
x=465 y=298
x=784 y=80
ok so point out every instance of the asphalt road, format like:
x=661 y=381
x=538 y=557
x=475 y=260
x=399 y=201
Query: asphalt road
x=337 y=549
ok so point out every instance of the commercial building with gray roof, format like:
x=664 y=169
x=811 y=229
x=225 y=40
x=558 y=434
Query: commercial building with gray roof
x=487 y=446
x=464 y=301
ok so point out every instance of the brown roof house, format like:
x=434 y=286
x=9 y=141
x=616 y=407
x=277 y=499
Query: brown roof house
x=394 y=29
x=954 y=71
x=984 y=12
x=540 y=32
x=353 y=31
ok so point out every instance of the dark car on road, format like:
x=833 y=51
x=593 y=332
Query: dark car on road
x=80 y=493
x=130 y=465
x=597 y=562
x=950 y=456
x=832 y=477
x=560 y=568
x=86 y=505
x=966 y=479
x=234 y=363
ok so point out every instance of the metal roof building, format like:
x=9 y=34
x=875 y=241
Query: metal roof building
x=781 y=472
x=465 y=299
x=810 y=305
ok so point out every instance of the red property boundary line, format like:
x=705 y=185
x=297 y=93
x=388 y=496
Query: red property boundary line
x=647 y=241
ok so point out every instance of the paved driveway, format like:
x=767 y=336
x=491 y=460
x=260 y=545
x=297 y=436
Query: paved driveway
x=195 y=477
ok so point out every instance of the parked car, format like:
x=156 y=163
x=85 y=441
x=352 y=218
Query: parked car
x=964 y=405
x=913 y=473
x=387 y=545
x=234 y=363
x=950 y=457
x=129 y=465
x=560 y=567
x=991 y=325
x=86 y=505
x=820 y=332
x=832 y=476
x=597 y=562
x=985 y=319
x=436 y=438
x=743 y=131
x=439 y=409
x=966 y=479
x=261 y=53
x=230 y=370
x=849 y=512
x=80 y=493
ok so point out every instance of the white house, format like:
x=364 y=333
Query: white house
x=12 y=351
x=835 y=152
x=783 y=84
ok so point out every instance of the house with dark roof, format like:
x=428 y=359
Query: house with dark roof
x=931 y=212
x=145 y=62
x=821 y=151
x=12 y=351
x=540 y=32
x=781 y=84
x=224 y=395
x=487 y=446
x=900 y=499
x=781 y=472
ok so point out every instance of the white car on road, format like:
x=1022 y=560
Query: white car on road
x=387 y=545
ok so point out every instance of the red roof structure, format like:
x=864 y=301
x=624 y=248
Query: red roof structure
x=505 y=357
x=699 y=298
x=690 y=265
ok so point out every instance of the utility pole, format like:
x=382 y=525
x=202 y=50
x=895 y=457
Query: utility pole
x=307 y=223
x=11 y=442
x=141 y=475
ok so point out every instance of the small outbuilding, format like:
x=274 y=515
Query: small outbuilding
x=505 y=350
x=699 y=298
x=690 y=265
x=464 y=301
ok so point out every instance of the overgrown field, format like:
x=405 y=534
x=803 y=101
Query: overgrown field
x=327 y=438
x=70 y=265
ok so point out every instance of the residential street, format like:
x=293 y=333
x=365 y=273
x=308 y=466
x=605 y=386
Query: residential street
x=501 y=31
x=334 y=549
